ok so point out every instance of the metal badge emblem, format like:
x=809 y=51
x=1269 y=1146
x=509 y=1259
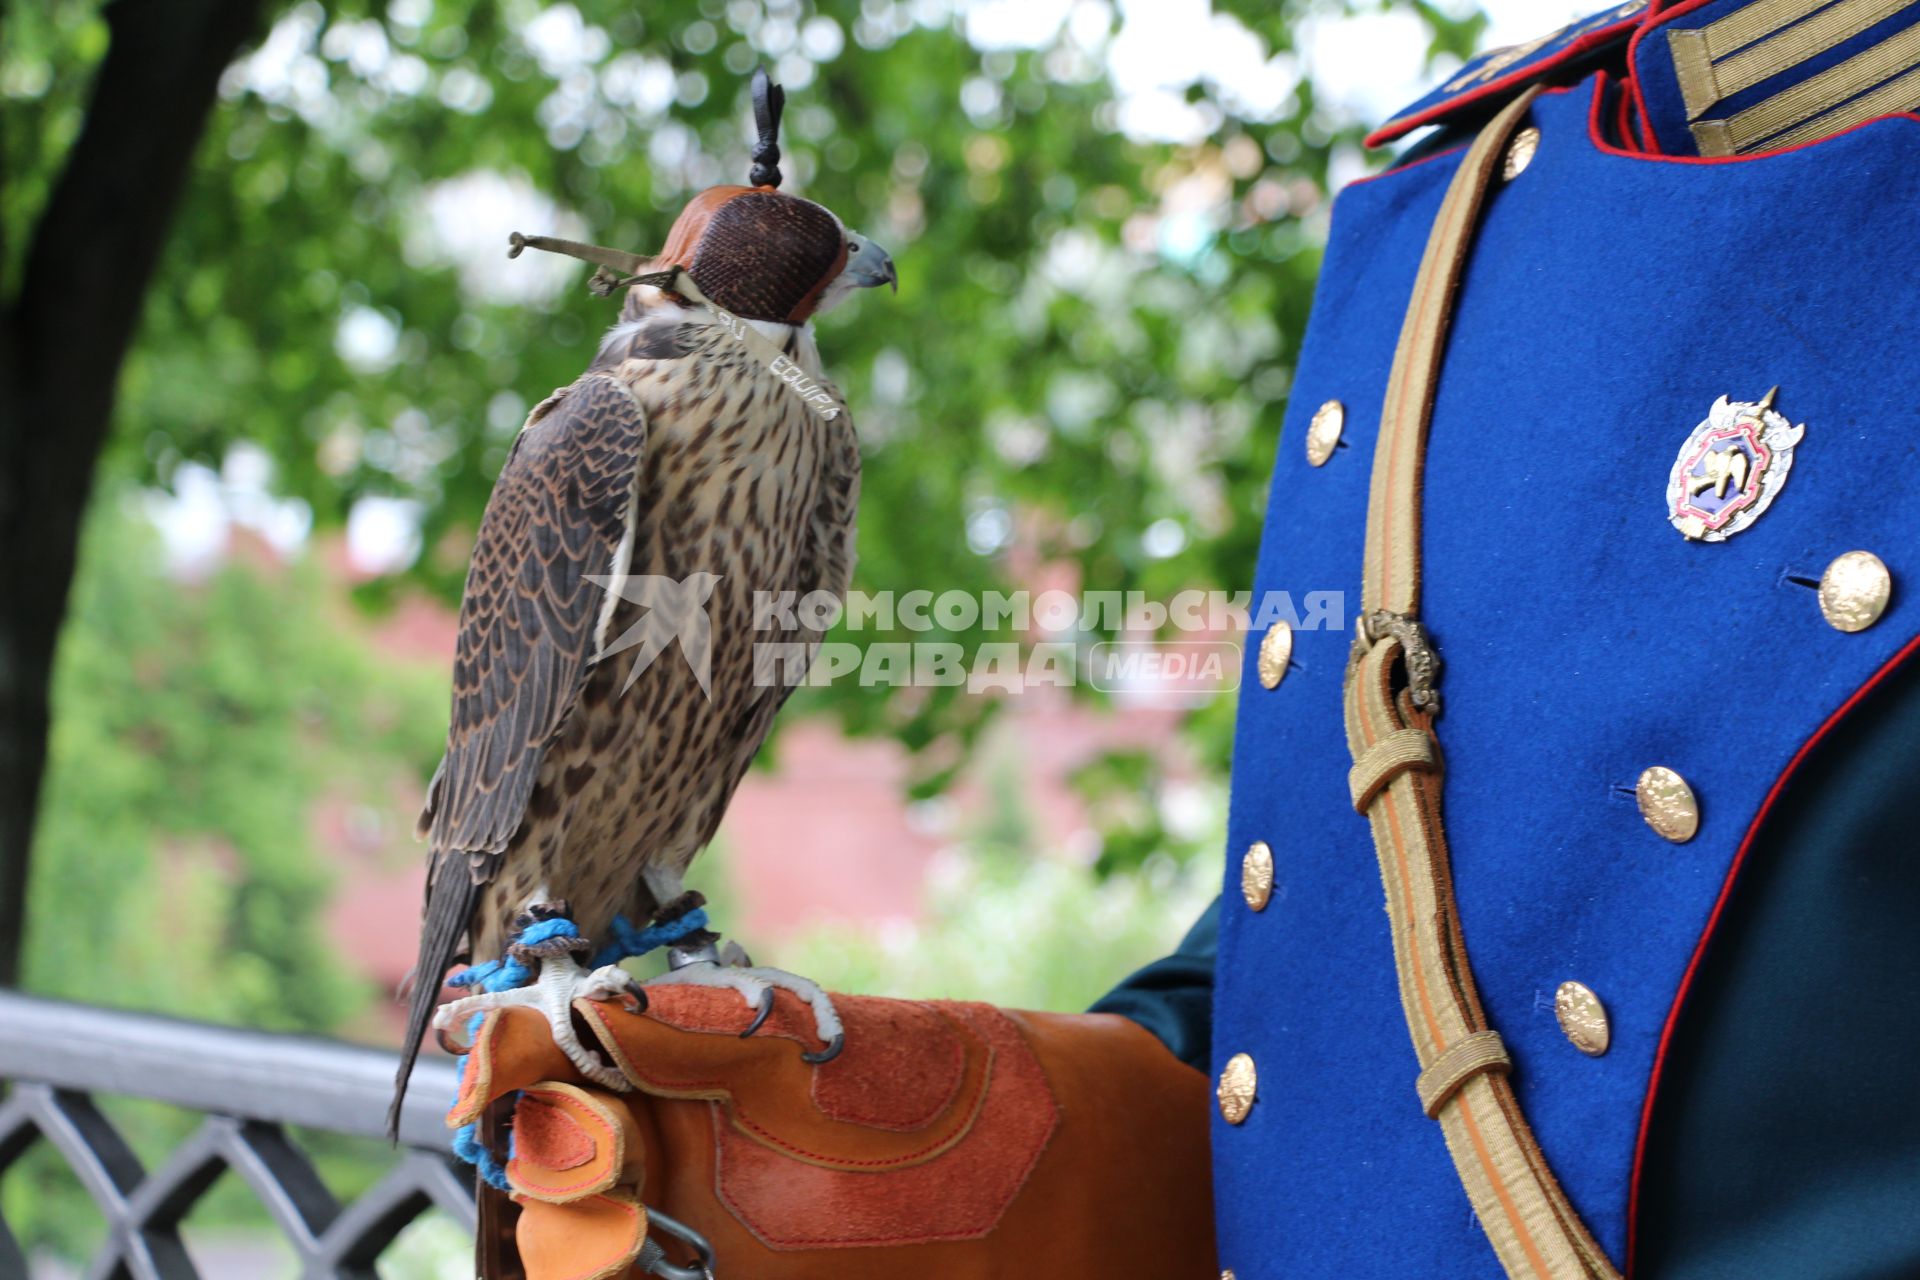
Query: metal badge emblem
x=1731 y=468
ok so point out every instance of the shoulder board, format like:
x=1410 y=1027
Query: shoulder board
x=1498 y=74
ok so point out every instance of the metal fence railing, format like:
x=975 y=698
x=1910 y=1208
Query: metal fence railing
x=250 y=1087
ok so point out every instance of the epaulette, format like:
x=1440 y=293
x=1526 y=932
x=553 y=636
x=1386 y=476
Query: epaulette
x=1498 y=74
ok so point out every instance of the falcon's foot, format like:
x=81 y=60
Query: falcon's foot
x=561 y=982
x=704 y=966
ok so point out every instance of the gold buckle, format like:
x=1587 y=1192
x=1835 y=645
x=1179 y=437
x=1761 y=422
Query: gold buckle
x=1417 y=651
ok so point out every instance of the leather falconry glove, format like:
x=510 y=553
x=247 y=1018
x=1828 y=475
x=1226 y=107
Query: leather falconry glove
x=948 y=1140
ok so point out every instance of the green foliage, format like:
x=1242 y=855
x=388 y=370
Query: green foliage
x=1022 y=933
x=46 y=52
x=1120 y=787
x=1008 y=926
x=196 y=726
x=1093 y=334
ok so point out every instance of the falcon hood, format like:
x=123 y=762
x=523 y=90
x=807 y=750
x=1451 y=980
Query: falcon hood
x=755 y=251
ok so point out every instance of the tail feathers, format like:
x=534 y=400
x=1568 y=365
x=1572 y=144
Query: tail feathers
x=451 y=898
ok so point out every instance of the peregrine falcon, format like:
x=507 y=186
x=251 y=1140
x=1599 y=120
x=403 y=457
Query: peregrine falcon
x=575 y=773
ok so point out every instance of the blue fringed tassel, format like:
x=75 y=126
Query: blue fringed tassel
x=468 y=1147
x=507 y=973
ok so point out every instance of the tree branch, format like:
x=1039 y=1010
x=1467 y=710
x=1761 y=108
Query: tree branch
x=63 y=339
x=96 y=243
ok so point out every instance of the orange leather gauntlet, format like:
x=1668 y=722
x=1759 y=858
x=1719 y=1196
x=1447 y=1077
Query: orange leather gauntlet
x=946 y=1140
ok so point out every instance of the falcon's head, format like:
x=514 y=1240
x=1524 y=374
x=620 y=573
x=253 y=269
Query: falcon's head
x=766 y=255
x=763 y=254
x=754 y=251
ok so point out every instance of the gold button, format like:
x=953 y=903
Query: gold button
x=1520 y=152
x=1854 y=591
x=1583 y=1018
x=1323 y=433
x=1227 y=1274
x=1256 y=875
x=1276 y=651
x=1237 y=1081
x=1667 y=803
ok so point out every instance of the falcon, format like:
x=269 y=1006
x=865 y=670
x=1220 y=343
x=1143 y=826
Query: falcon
x=607 y=697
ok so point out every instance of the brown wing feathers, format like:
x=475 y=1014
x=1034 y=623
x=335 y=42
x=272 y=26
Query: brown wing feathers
x=557 y=514
x=526 y=642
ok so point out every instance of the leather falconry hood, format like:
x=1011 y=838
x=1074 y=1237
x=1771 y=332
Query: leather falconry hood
x=755 y=251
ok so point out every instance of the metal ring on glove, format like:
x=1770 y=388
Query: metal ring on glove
x=653 y=1259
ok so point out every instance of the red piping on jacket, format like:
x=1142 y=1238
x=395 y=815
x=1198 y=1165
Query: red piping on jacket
x=1660 y=16
x=1438 y=155
x=1593 y=39
x=1404 y=168
x=1599 y=139
x=1713 y=921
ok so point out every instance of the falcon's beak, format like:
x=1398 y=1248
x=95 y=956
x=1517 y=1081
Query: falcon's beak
x=868 y=264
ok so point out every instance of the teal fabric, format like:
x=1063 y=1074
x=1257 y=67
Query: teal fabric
x=1786 y=1140
x=1173 y=996
x=1608 y=301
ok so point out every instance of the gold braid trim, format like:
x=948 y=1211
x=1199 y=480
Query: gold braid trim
x=1527 y=1217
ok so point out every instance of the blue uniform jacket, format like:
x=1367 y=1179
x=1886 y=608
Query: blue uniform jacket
x=1721 y=199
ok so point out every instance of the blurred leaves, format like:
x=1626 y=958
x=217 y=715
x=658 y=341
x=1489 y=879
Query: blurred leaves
x=1094 y=335
x=199 y=725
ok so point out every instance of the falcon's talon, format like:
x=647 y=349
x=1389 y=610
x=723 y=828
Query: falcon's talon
x=756 y=987
x=760 y=1018
x=828 y=1054
x=561 y=982
x=633 y=997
